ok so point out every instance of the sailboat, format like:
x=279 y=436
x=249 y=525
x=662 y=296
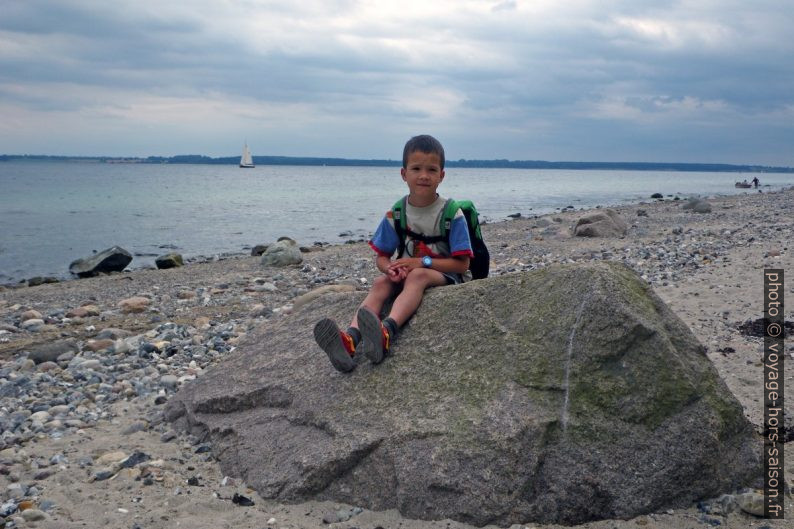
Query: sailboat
x=246 y=160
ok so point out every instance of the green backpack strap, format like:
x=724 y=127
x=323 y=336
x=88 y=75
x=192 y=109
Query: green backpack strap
x=450 y=208
x=398 y=215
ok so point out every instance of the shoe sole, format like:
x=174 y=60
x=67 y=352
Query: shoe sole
x=370 y=327
x=326 y=334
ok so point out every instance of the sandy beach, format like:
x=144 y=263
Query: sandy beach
x=84 y=376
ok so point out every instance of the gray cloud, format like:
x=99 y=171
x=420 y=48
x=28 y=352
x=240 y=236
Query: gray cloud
x=544 y=80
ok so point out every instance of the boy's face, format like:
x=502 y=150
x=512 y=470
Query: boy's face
x=423 y=174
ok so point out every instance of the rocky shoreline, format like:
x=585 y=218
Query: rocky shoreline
x=88 y=364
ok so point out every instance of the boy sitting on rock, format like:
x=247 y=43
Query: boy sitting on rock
x=431 y=261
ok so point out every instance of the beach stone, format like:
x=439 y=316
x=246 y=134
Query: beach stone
x=604 y=223
x=259 y=249
x=30 y=315
x=285 y=252
x=657 y=195
x=113 y=259
x=15 y=491
x=698 y=205
x=169 y=381
x=751 y=502
x=549 y=403
x=111 y=333
x=98 y=345
x=134 y=304
x=83 y=312
x=310 y=296
x=170 y=260
x=34 y=515
x=31 y=323
x=51 y=351
x=39 y=280
x=111 y=458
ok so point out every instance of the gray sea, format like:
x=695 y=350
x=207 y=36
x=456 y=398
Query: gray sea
x=54 y=212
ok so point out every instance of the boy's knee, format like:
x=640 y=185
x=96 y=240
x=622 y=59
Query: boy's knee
x=382 y=285
x=382 y=282
x=420 y=276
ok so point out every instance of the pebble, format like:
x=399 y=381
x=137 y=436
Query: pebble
x=751 y=502
x=34 y=515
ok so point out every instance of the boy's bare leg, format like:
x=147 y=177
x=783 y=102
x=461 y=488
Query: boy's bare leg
x=418 y=280
x=376 y=335
x=381 y=290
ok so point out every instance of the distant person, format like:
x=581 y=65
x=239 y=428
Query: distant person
x=755 y=181
x=430 y=261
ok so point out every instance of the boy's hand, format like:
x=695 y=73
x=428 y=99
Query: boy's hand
x=397 y=271
x=406 y=263
x=396 y=274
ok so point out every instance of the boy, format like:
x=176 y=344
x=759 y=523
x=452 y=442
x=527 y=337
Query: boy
x=429 y=263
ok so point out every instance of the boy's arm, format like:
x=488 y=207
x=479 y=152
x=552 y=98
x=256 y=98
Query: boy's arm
x=451 y=265
x=383 y=263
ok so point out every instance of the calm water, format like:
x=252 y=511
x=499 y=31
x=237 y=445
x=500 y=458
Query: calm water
x=53 y=213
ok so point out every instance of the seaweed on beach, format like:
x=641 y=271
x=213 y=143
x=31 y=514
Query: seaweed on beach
x=757 y=327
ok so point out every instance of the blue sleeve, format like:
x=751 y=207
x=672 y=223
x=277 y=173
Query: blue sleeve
x=385 y=241
x=459 y=243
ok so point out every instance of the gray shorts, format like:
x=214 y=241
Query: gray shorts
x=452 y=279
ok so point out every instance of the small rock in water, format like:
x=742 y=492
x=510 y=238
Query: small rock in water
x=171 y=260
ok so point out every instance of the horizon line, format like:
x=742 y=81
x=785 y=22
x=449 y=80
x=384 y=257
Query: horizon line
x=461 y=162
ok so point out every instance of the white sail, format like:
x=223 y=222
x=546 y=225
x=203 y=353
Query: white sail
x=246 y=160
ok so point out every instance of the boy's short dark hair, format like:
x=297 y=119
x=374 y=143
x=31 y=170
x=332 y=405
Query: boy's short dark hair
x=423 y=143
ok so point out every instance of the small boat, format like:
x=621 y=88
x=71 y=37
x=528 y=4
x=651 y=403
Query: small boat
x=246 y=160
x=744 y=185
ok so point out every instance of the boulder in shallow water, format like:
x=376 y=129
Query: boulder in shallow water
x=113 y=259
x=605 y=223
x=41 y=280
x=561 y=395
x=170 y=260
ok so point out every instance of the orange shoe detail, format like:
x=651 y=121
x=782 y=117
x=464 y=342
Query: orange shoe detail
x=386 y=338
x=347 y=342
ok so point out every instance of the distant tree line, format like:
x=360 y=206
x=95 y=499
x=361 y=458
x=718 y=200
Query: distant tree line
x=499 y=164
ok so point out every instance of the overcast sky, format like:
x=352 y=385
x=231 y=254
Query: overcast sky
x=576 y=80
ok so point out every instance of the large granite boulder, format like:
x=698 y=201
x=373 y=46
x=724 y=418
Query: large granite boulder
x=113 y=259
x=604 y=223
x=567 y=394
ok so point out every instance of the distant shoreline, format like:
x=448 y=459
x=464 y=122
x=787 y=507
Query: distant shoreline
x=340 y=162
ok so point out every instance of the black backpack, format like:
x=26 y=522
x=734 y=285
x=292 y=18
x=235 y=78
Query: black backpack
x=479 y=264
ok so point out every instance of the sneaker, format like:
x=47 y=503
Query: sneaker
x=375 y=334
x=338 y=345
